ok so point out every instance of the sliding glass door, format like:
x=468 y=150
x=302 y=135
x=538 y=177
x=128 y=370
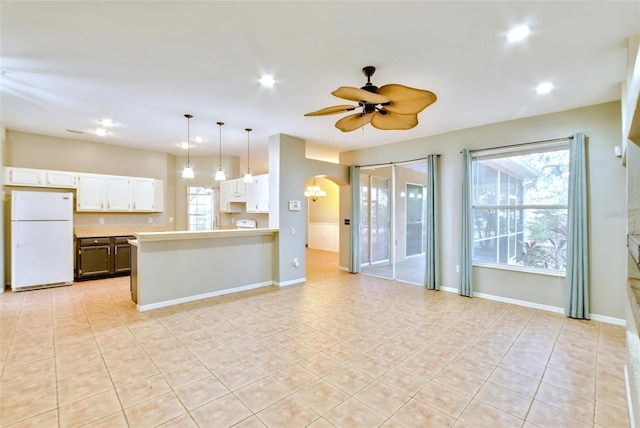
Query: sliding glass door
x=375 y=244
x=393 y=210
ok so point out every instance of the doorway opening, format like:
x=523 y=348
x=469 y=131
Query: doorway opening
x=393 y=218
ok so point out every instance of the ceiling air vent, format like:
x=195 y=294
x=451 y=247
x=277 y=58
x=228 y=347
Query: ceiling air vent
x=75 y=131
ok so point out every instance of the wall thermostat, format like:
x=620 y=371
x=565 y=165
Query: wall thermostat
x=294 y=205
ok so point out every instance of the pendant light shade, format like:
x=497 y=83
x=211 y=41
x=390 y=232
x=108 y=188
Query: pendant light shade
x=220 y=173
x=187 y=172
x=248 y=178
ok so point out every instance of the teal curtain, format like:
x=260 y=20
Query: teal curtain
x=432 y=253
x=354 y=256
x=466 y=265
x=576 y=302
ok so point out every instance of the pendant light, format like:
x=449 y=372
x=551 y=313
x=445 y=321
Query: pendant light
x=187 y=172
x=220 y=173
x=248 y=178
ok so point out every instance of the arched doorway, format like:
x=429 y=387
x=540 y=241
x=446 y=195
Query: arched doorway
x=323 y=224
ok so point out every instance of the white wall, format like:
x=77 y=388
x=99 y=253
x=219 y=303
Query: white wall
x=601 y=124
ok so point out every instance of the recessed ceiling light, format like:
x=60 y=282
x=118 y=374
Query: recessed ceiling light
x=518 y=33
x=100 y=132
x=199 y=139
x=544 y=88
x=267 y=81
x=107 y=122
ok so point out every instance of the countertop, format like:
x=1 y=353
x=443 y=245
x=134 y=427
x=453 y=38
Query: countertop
x=101 y=232
x=185 y=235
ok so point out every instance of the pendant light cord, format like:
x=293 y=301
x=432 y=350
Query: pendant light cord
x=188 y=116
x=248 y=151
x=220 y=149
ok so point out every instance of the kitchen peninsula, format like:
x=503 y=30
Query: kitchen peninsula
x=169 y=268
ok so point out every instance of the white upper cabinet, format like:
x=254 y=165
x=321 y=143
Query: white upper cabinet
x=92 y=192
x=258 y=194
x=118 y=193
x=96 y=192
x=147 y=195
x=39 y=178
x=229 y=197
x=23 y=177
x=62 y=179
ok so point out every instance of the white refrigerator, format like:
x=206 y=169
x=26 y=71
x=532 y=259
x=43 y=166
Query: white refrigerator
x=41 y=239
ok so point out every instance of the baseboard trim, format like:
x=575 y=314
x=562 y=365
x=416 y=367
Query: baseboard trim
x=627 y=388
x=172 y=302
x=608 y=320
x=346 y=269
x=524 y=303
x=290 y=282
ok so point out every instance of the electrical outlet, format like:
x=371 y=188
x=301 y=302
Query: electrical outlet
x=170 y=219
x=150 y=220
x=101 y=220
x=457 y=268
x=293 y=230
x=295 y=262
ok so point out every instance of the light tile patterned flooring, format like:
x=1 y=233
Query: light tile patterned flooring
x=340 y=350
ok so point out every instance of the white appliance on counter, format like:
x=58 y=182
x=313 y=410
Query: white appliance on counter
x=41 y=239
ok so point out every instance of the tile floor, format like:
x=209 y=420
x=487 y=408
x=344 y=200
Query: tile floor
x=340 y=350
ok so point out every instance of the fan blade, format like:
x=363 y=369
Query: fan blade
x=406 y=100
x=394 y=121
x=358 y=95
x=332 y=110
x=354 y=121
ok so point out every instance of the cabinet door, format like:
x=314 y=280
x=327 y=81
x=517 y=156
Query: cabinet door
x=225 y=196
x=262 y=191
x=239 y=190
x=61 y=179
x=118 y=193
x=121 y=258
x=24 y=177
x=94 y=261
x=92 y=192
x=252 y=196
x=142 y=194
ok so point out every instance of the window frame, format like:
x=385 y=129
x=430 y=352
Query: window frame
x=502 y=153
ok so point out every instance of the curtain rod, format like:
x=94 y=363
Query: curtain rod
x=393 y=163
x=554 y=140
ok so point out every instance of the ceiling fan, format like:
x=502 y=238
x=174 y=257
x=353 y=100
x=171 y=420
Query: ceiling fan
x=388 y=107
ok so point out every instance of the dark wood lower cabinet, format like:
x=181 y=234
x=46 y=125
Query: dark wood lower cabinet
x=103 y=257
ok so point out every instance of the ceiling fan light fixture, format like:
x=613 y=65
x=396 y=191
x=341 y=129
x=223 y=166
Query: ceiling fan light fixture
x=220 y=173
x=187 y=172
x=389 y=107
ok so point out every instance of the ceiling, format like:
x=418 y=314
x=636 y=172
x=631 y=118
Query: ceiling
x=144 y=64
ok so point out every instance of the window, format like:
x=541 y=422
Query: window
x=520 y=206
x=200 y=208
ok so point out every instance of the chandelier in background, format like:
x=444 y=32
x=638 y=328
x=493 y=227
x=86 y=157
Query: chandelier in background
x=313 y=192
